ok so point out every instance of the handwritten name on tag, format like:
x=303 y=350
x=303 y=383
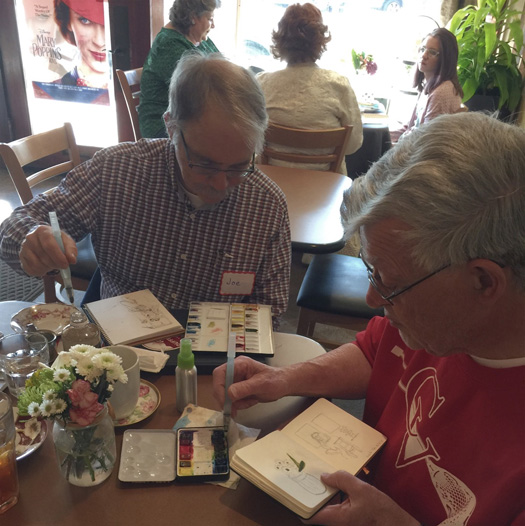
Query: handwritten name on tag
x=234 y=283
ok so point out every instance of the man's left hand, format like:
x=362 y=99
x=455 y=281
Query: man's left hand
x=364 y=505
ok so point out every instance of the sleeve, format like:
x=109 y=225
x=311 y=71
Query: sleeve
x=351 y=115
x=73 y=200
x=369 y=339
x=272 y=285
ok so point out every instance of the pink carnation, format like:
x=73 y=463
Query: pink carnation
x=85 y=405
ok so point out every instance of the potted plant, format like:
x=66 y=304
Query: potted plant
x=489 y=40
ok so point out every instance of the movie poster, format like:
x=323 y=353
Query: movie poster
x=66 y=63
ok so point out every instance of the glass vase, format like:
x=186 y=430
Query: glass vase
x=86 y=454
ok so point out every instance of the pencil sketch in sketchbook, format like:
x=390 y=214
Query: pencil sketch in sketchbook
x=307 y=481
x=149 y=316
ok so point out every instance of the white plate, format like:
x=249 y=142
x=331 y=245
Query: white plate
x=46 y=316
x=30 y=435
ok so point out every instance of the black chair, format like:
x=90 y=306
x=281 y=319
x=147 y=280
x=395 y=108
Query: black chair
x=333 y=293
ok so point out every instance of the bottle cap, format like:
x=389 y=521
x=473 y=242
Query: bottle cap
x=78 y=318
x=185 y=359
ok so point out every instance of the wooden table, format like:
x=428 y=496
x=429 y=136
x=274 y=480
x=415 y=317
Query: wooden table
x=46 y=499
x=314 y=199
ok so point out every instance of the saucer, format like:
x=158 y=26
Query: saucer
x=149 y=400
x=47 y=316
x=30 y=434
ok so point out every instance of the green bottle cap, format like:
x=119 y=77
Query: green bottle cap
x=185 y=359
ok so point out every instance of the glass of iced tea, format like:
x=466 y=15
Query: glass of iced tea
x=8 y=473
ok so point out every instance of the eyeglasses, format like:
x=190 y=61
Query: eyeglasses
x=383 y=291
x=432 y=52
x=210 y=171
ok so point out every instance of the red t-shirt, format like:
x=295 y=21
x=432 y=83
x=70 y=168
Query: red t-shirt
x=456 y=433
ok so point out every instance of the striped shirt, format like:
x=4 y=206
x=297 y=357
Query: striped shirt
x=146 y=233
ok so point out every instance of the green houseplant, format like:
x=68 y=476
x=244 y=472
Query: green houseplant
x=489 y=39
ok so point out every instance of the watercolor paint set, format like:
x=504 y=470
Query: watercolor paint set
x=197 y=454
x=210 y=323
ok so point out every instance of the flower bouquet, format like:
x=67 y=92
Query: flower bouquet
x=363 y=62
x=73 y=393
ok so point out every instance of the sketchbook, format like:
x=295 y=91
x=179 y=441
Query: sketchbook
x=132 y=319
x=210 y=323
x=288 y=464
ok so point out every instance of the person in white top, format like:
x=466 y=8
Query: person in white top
x=303 y=95
x=436 y=79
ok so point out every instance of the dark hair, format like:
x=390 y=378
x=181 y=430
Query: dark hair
x=62 y=16
x=448 y=63
x=182 y=12
x=301 y=35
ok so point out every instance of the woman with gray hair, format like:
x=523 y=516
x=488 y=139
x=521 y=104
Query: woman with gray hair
x=187 y=30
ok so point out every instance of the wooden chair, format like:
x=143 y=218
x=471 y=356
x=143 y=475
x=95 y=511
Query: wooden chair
x=333 y=292
x=277 y=135
x=22 y=152
x=130 y=84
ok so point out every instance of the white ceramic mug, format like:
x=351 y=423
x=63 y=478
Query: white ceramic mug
x=125 y=396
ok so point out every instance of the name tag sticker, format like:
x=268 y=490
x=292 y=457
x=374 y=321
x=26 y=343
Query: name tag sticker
x=235 y=283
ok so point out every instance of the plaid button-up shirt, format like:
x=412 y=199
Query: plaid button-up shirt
x=146 y=233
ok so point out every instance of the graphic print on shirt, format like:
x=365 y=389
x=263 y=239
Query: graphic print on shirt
x=423 y=400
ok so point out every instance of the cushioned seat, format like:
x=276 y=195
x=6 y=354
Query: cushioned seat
x=86 y=263
x=333 y=292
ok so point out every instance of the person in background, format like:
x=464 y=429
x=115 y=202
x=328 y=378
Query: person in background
x=188 y=217
x=81 y=23
x=188 y=29
x=436 y=80
x=442 y=227
x=303 y=95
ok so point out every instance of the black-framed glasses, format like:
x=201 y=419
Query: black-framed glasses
x=432 y=52
x=389 y=295
x=211 y=171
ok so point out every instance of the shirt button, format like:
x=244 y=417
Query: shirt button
x=192 y=216
x=173 y=296
x=183 y=256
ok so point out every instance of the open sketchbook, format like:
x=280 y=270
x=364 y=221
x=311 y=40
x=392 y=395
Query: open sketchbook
x=132 y=319
x=288 y=464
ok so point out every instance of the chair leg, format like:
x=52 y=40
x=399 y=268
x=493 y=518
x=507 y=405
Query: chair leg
x=49 y=289
x=306 y=323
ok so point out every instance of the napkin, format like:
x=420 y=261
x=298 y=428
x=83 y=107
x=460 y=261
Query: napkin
x=238 y=435
x=150 y=361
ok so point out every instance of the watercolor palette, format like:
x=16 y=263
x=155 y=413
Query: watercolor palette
x=202 y=454
x=197 y=454
x=210 y=323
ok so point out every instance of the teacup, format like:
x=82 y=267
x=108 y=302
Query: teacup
x=125 y=396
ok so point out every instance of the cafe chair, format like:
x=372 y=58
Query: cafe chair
x=333 y=293
x=130 y=84
x=22 y=152
x=282 y=136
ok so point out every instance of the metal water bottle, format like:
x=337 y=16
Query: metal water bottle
x=185 y=376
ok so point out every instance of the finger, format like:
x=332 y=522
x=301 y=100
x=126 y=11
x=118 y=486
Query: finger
x=219 y=379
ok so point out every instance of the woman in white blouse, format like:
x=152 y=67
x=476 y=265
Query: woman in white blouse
x=436 y=79
x=303 y=95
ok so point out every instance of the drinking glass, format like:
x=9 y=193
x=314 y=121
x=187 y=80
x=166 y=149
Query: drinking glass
x=8 y=473
x=20 y=356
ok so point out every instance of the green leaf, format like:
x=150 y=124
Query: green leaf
x=300 y=465
x=469 y=88
x=490 y=39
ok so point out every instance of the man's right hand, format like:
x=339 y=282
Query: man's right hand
x=254 y=382
x=40 y=252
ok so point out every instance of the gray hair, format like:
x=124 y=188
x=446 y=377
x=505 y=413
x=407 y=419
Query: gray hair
x=459 y=182
x=200 y=80
x=182 y=12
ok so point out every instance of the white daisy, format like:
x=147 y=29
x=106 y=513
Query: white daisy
x=47 y=408
x=49 y=395
x=33 y=409
x=106 y=360
x=60 y=406
x=61 y=375
x=86 y=368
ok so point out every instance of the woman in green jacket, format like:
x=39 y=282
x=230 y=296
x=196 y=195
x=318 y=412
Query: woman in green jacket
x=188 y=28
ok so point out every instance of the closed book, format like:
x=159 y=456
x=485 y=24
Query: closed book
x=133 y=318
x=288 y=464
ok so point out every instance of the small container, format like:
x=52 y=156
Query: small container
x=80 y=330
x=185 y=376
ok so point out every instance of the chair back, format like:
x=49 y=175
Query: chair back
x=130 y=84
x=27 y=150
x=277 y=135
x=22 y=152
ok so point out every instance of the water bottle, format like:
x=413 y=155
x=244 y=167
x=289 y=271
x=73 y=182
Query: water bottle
x=185 y=376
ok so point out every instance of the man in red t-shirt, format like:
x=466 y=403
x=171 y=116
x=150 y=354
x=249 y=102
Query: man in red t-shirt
x=441 y=219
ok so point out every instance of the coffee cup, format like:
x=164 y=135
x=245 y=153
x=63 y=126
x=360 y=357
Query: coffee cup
x=125 y=396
